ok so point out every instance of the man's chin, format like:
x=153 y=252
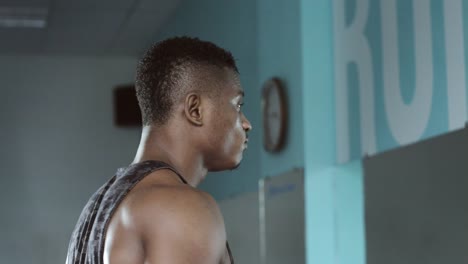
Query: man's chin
x=236 y=166
x=228 y=167
x=238 y=161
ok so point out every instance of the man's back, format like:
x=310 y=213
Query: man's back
x=146 y=214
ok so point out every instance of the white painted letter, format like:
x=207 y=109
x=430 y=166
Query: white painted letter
x=351 y=46
x=455 y=56
x=407 y=122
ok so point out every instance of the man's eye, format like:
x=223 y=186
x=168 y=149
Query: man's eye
x=240 y=105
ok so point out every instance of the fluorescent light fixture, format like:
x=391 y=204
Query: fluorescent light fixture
x=23 y=17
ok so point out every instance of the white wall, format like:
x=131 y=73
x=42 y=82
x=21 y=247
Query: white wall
x=58 y=145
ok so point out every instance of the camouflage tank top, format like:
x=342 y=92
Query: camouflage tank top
x=87 y=241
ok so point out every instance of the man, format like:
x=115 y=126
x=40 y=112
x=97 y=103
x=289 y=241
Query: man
x=151 y=212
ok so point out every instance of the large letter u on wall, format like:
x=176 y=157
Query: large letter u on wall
x=407 y=122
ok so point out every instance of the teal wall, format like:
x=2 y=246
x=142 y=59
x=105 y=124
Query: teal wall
x=280 y=52
x=334 y=193
x=318 y=130
x=231 y=25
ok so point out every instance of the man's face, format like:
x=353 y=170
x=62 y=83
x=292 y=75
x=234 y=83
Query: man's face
x=227 y=125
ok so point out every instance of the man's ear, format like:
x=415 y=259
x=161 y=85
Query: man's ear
x=193 y=109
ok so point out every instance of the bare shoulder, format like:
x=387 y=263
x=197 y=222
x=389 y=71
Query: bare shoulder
x=178 y=220
x=168 y=197
x=170 y=202
x=162 y=219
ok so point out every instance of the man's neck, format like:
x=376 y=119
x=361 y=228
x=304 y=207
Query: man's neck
x=173 y=149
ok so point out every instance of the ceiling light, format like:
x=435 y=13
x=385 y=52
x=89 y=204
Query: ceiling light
x=23 y=17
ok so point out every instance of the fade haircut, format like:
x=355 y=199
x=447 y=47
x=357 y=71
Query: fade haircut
x=159 y=73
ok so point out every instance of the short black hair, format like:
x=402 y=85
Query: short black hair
x=162 y=66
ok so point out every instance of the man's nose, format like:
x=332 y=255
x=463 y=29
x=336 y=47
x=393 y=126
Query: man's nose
x=246 y=124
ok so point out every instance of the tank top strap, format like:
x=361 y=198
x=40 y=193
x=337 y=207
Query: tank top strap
x=146 y=167
x=231 y=258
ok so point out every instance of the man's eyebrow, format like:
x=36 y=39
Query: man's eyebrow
x=241 y=92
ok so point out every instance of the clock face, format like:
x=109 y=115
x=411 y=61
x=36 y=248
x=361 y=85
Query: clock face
x=274 y=115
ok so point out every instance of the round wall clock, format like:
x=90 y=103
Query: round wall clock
x=274 y=115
